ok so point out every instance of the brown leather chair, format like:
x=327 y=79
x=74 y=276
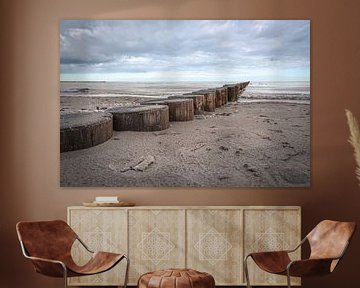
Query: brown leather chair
x=48 y=245
x=328 y=242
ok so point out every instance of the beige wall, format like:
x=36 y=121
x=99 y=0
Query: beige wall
x=29 y=111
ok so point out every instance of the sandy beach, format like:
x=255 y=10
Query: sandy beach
x=239 y=145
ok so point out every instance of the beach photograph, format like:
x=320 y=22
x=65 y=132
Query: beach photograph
x=185 y=103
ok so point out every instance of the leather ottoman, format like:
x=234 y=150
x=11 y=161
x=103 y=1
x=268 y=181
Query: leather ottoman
x=176 y=278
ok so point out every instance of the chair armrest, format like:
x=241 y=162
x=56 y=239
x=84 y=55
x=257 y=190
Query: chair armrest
x=298 y=246
x=309 y=267
x=48 y=267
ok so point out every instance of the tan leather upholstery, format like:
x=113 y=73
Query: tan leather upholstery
x=272 y=262
x=176 y=278
x=328 y=239
x=52 y=240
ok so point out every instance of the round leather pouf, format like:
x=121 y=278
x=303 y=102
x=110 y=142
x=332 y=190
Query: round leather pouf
x=176 y=278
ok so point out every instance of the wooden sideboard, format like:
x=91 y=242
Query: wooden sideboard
x=212 y=239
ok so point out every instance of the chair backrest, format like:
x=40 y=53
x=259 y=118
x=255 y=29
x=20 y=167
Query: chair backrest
x=329 y=239
x=46 y=239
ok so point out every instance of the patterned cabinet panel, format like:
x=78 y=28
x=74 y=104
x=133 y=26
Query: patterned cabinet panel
x=267 y=230
x=101 y=230
x=214 y=244
x=156 y=240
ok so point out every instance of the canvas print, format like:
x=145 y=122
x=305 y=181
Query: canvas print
x=185 y=103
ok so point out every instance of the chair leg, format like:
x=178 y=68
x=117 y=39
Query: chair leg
x=246 y=270
x=127 y=271
x=65 y=276
x=288 y=278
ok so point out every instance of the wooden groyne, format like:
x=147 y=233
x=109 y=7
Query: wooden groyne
x=86 y=129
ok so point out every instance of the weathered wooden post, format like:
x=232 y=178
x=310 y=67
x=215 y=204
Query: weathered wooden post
x=221 y=96
x=209 y=97
x=218 y=101
x=179 y=109
x=198 y=101
x=84 y=129
x=231 y=92
x=140 y=118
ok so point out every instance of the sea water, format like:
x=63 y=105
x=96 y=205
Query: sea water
x=256 y=91
x=277 y=91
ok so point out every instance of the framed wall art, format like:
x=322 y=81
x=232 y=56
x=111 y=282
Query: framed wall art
x=200 y=103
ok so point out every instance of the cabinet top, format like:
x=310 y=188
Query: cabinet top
x=194 y=207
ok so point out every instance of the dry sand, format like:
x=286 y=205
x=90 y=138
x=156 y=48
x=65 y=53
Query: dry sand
x=239 y=145
x=93 y=103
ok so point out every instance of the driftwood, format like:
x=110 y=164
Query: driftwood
x=140 y=118
x=179 y=109
x=140 y=165
x=84 y=129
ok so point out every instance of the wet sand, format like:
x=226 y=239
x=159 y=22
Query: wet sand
x=239 y=145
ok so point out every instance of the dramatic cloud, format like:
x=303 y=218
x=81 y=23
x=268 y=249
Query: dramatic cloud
x=177 y=50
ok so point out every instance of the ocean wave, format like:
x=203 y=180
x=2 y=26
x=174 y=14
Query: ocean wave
x=268 y=96
x=290 y=101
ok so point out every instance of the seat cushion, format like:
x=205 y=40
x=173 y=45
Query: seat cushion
x=176 y=278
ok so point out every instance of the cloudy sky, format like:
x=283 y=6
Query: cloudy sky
x=204 y=50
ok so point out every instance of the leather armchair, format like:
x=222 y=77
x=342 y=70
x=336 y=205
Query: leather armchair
x=328 y=243
x=48 y=245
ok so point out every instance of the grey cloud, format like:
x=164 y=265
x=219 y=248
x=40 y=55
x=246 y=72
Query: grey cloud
x=112 y=46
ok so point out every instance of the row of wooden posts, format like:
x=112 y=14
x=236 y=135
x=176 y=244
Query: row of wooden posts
x=84 y=130
x=179 y=108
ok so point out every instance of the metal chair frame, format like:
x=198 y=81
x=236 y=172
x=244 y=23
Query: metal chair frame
x=26 y=255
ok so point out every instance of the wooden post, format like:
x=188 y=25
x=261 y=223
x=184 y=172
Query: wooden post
x=209 y=101
x=198 y=101
x=140 y=118
x=218 y=101
x=225 y=95
x=179 y=109
x=84 y=129
x=209 y=98
x=231 y=92
x=221 y=97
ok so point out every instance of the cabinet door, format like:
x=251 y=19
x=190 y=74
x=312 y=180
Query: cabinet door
x=214 y=244
x=101 y=230
x=271 y=230
x=156 y=240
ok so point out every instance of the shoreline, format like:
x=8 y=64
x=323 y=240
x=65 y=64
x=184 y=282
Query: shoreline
x=101 y=103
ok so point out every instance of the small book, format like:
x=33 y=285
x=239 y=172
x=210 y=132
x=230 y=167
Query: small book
x=106 y=202
x=107 y=199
